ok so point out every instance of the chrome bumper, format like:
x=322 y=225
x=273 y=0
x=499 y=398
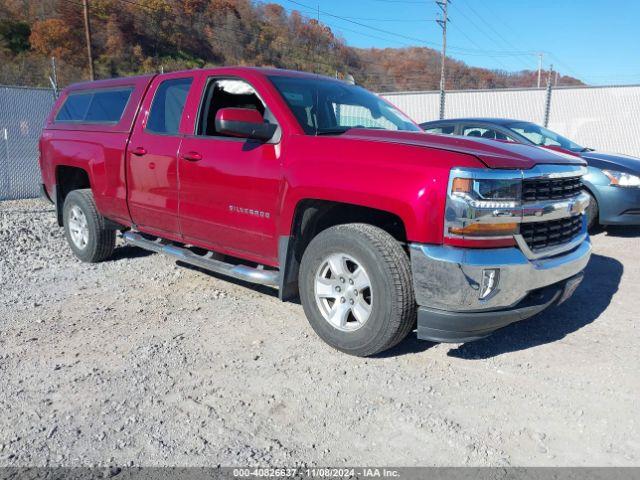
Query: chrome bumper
x=450 y=279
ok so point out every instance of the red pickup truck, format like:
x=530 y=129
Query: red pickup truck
x=323 y=190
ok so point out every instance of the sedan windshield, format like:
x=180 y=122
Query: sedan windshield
x=543 y=137
x=331 y=107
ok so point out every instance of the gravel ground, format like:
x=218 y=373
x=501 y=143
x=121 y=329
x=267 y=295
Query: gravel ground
x=137 y=361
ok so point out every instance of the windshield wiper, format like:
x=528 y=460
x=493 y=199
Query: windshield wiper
x=587 y=149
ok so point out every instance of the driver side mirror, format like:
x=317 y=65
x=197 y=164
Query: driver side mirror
x=243 y=123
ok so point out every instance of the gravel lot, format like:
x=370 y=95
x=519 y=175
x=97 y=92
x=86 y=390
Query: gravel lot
x=139 y=361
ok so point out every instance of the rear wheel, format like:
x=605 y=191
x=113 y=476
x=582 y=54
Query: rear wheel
x=356 y=289
x=85 y=228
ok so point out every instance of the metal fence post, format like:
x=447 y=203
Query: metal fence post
x=54 y=78
x=547 y=103
x=5 y=185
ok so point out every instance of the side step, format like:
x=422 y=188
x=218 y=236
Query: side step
x=241 y=272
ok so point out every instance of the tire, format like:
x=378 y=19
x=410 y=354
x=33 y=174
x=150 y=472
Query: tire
x=592 y=212
x=85 y=228
x=387 y=306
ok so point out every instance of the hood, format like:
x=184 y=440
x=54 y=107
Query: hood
x=494 y=154
x=613 y=161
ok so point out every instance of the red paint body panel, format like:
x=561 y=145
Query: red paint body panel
x=406 y=181
x=237 y=196
x=239 y=115
x=152 y=170
x=101 y=155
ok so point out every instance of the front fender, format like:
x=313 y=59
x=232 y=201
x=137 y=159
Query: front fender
x=407 y=181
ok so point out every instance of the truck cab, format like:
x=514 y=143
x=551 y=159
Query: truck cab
x=322 y=190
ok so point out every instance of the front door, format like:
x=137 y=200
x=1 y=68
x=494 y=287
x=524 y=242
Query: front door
x=229 y=186
x=152 y=156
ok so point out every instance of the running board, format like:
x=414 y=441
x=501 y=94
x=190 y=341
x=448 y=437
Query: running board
x=241 y=272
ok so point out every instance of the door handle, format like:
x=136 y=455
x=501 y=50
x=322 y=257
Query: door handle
x=192 y=156
x=139 y=151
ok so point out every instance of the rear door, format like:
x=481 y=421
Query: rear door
x=152 y=155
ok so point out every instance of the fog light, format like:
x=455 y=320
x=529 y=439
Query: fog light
x=490 y=279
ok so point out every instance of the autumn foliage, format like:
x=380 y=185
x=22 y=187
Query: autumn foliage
x=142 y=36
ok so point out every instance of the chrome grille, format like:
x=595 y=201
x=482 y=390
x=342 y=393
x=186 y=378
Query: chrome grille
x=551 y=188
x=539 y=235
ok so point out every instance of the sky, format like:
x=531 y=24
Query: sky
x=597 y=41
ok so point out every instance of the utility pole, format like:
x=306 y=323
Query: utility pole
x=540 y=55
x=443 y=4
x=317 y=54
x=87 y=33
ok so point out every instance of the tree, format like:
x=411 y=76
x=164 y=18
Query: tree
x=53 y=38
x=15 y=35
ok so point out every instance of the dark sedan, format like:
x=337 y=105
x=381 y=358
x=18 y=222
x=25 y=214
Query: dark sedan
x=613 y=180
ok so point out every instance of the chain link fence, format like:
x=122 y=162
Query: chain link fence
x=22 y=115
x=605 y=118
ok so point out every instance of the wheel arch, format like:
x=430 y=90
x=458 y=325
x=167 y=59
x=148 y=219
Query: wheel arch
x=312 y=216
x=68 y=178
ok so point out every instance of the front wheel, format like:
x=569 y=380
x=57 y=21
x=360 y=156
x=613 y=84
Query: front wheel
x=85 y=228
x=356 y=289
x=592 y=212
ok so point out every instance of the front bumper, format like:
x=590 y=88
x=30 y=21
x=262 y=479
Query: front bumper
x=448 y=283
x=618 y=205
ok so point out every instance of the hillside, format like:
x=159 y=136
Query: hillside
x=138 y=36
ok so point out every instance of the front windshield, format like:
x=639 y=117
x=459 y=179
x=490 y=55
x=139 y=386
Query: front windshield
x=543 y=137
x=324 y=106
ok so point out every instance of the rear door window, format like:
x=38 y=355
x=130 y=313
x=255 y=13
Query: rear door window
x=442 y=129
x=100 y=106
x=168 y=105
x=484 y=132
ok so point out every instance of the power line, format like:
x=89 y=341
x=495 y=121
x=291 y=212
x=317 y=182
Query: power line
x=510 y=28
x=396 y=20
x=331 y=59
x=477 y=27
x=407 y=2
x=388 y=32
x=488 y=24
x=460 y=50
x=288 y=51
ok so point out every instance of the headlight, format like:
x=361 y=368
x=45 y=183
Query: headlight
x=488 y=193
x=472 y=204
x=622 y=179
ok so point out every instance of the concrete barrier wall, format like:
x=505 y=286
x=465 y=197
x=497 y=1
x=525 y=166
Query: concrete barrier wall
x=604 y=118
